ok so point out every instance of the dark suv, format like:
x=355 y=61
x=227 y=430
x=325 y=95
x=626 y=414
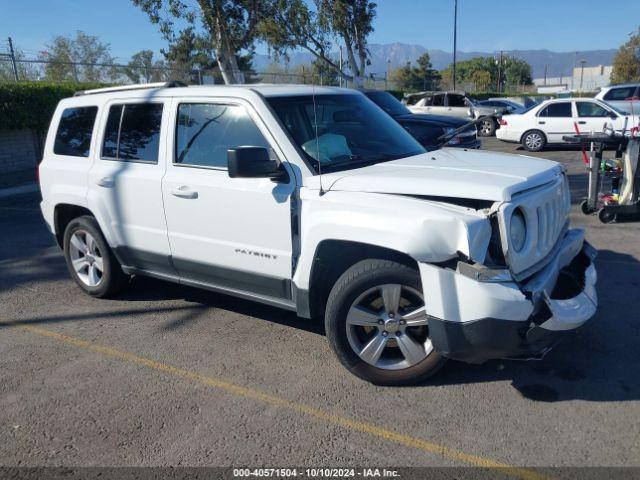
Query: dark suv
x=425 y=128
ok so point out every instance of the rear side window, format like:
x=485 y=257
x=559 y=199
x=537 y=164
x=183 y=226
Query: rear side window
x=557 y=110
x=620 y=93
x=206 y=131
x=132 y=132
x=73 y=137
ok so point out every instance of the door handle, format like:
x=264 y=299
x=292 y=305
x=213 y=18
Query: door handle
x=106 y=182
x=582 y=123
x=541 y=123
x=184 y=192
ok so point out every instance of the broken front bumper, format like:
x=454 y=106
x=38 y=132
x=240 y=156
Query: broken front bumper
x=475 y=319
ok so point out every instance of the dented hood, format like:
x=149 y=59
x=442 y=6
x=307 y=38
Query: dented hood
x=447 y=172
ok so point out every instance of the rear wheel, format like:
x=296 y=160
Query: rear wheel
x=90 y=260
x=487 y=128
x=377 y=324
x=534 y=140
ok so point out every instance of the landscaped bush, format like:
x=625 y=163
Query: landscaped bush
x=31 y=104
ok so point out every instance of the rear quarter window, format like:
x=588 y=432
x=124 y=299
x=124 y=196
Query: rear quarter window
x=73 y=137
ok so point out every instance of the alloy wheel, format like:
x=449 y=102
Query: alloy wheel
x=533 y=141
x=387 y=327
x=86 y=258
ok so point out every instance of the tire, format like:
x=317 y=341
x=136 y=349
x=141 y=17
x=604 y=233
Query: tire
x=605 y=217
x=585 y=208
x=85 y=247
x=534 y=140
x=487 y=128
x=398 y=353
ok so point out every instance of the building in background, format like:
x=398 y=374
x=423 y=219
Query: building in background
x=587 y=79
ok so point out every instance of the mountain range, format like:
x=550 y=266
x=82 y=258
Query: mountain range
x=398 y=54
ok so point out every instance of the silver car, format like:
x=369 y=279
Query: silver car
x=624 y=97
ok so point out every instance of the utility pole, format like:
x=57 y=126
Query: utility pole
x=12 y=54
x=455 y=39
x=582 y=62
x=386 y=75
x=545 y=74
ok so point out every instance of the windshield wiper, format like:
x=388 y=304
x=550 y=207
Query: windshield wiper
x=444 y=139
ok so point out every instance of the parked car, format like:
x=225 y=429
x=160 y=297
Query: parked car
x=623 y=97
x=454 y=104
x=312 y=199
x=548 y=122
x=504 y=106
x=427 y=129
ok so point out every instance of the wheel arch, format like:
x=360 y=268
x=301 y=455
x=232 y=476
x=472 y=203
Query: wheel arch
x=63 y=214
x=333 y=257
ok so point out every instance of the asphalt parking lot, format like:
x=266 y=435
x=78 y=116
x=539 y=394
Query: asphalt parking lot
x=168 y=375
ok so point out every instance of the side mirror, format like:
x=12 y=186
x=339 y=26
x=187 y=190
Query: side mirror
x=253 y=162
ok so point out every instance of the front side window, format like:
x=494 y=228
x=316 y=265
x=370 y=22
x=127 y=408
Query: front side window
x=73 y=137
x=557 y=110
x=590 y=109
x=340 y=132
x=205 y=132
x=133 y=132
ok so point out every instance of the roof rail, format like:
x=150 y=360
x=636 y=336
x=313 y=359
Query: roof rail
x=138 y=86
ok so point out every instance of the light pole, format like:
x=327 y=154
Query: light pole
x=455 y=39
x=582 y=62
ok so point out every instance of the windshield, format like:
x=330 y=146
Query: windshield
x=388 y=103
x=351 y=131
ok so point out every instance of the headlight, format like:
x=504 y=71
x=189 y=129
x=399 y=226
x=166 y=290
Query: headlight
x=518 y=230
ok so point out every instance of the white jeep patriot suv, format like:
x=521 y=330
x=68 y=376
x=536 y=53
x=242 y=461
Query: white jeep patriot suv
x=314 y=200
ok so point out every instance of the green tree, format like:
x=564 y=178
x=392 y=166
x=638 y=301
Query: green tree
x=231 y=26
x=516 y=72
x=420 y=77
x=488 y=73
x=293 y=24
x=75 y=58
x=143 y=69
x=626 y=63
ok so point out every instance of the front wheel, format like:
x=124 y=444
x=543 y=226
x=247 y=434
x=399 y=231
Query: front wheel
x=534 y=140
x=377 y=324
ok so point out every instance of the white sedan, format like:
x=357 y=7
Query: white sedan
x=547 y=122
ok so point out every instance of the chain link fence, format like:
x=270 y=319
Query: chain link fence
x=24 y=70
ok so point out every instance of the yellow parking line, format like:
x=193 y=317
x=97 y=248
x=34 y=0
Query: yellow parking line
x=328 y=417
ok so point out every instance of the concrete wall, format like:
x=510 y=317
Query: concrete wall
x=20 y=152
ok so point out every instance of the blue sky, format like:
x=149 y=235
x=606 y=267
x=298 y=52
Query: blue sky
x=484 y=25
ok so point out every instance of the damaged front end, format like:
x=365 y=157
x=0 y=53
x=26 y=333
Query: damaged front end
x=493 y=310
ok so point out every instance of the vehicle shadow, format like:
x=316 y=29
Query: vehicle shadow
x=599 y=363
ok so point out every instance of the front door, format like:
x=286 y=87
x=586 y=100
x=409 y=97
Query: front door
x=232 y=233
x=591 y=116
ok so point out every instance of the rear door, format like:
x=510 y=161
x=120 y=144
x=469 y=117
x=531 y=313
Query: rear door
x=456 y=105
x=556 y=120
x=231 y=233
x=125 y=183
